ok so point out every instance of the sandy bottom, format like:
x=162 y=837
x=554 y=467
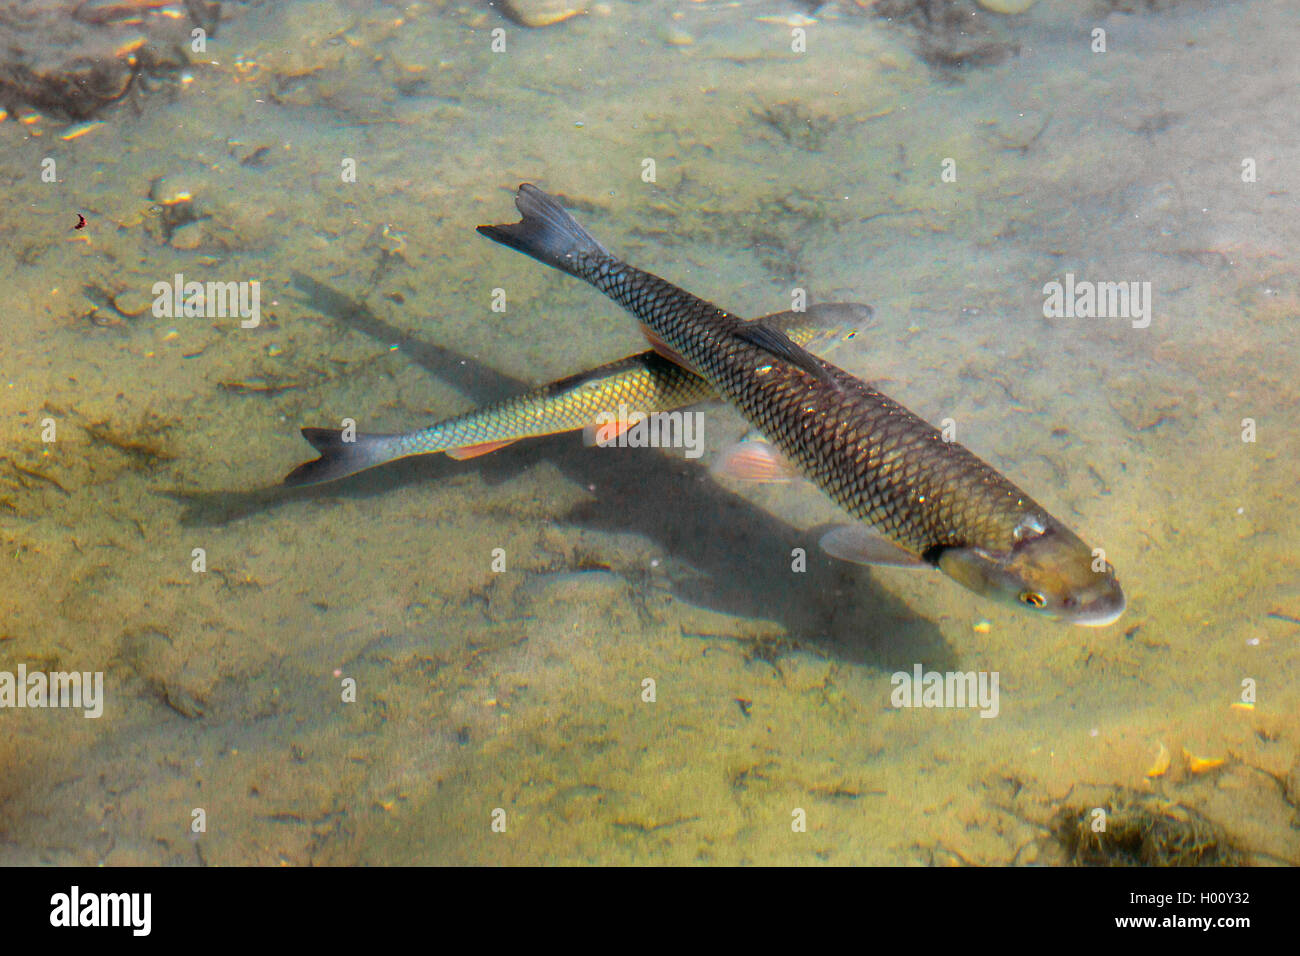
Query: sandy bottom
x=647 y=680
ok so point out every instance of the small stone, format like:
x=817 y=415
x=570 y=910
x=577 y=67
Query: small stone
x=132 y=303
x=189 y=237
x=676 y=36
x=174 y=190
x=1006 y=6
x=541 y=13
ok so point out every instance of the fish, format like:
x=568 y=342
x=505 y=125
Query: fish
x=646 y=383
x=935 y=502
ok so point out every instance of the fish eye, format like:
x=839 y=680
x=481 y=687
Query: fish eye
x=1029 y=527
x=1032 y=599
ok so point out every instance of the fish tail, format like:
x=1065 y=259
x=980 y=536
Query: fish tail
x=547 y=232
x=339 y=458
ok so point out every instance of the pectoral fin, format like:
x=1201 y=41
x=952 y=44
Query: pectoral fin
x=777 y=343
x=861 y=545
x=664 y=349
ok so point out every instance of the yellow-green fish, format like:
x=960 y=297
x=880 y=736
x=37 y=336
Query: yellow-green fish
x=884 y=465
x=646 y=383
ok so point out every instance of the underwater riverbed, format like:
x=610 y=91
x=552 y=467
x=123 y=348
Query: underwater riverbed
x=378 y=670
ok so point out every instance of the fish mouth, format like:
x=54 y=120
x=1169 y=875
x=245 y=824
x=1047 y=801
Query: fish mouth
x=1105 y=610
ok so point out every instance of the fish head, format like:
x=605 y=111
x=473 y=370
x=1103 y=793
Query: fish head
x=1048 y=571
x=837 y=323
x=823 y=327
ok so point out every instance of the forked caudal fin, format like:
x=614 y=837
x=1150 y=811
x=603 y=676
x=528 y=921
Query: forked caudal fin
x=339 y=458
x=547 y=232
x=550 y=235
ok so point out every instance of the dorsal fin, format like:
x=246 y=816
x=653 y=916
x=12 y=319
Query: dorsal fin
x=777 y=343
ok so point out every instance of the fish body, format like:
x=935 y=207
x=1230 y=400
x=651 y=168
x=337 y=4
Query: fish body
x=645 y=383
x=880 y=462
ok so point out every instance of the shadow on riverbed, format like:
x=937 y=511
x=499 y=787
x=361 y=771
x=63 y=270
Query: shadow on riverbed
x=742 y=553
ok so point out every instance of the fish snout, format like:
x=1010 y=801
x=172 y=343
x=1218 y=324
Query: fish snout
x=1098 y=610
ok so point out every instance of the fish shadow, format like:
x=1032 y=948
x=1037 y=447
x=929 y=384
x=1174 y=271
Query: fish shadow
x=742 y=556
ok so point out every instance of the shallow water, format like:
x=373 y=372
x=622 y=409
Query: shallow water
x=518 y=695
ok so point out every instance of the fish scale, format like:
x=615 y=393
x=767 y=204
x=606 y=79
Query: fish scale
x=933 y=499
x=642 y=384
x=631 y=382
x=876 y=459
x=646 y=382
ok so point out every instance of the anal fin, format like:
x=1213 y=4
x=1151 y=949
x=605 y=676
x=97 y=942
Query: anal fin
x=474 y=451
x=606 y=432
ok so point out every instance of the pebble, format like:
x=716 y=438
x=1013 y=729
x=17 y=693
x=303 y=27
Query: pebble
x=191 y=236
x=174 y=190
x=676 y=36
x=80 y=129
x=541 y=13
x=132 y=303
x=1006 y=6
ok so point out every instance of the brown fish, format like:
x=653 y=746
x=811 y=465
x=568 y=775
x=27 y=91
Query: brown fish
x=876 y=459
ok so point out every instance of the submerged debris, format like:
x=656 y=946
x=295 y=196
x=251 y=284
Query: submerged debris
x=1137 y=829
x=145 y=443
x=76 y=91
x=204 y=13
x=953 y=34
x=797 y=125
x=116 y=49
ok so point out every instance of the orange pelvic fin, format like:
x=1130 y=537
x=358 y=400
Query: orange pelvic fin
x=608 y=431
x=473 y=451
x=753 y=459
